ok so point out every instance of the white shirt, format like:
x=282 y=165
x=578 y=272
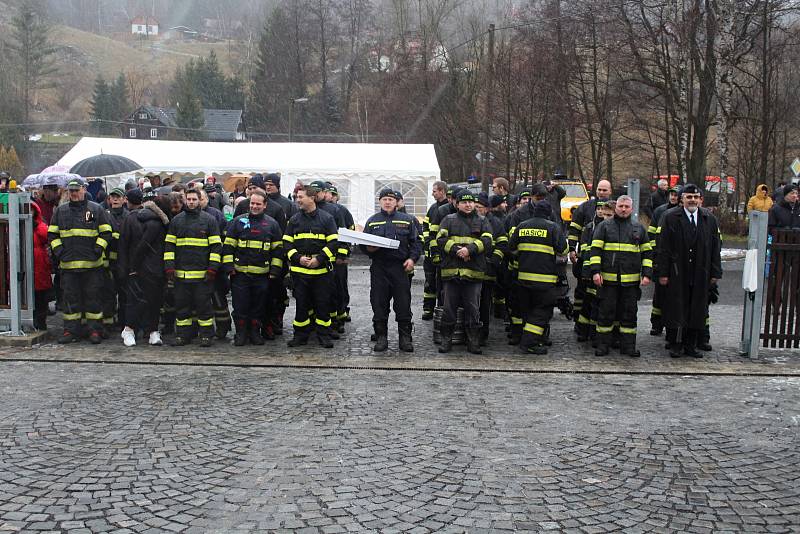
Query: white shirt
x=689 y=215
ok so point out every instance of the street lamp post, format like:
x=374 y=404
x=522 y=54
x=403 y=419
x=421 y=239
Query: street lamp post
x=292 y=102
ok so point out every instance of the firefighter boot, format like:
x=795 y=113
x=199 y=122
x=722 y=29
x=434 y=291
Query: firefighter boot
x=255 y=333
x=381 y=337
x=473 y=340
x=406 y=342
x=447 y=339
x=240 y=338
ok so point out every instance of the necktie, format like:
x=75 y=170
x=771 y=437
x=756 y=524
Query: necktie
x=691 y=219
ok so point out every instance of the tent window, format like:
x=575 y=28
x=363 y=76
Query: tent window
x=132 y=132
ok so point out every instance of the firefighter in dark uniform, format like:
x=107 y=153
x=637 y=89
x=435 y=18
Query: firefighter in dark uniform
x=439 y=193
x=192 y=257
x=494 y=263
x=278 y=297
x=621 y=261
x=78 y=235
x=498 y=204
x=464 y=241
x=252 y=257
x=340 y=271
x=310 y=242
x=342 y=253
x=433 y=246
x=515 y=313
x=114 y=297
x=388 y=273
x=659 y=292
x=586 y=322
x=539 y=245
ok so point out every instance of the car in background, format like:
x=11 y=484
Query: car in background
x=576 y=195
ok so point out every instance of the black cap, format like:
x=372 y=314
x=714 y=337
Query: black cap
x=538 y=190
x=525 y=193
x=464 y=194
x=788 y=188
x=496 y=200
x=692 y=190
x=398 y=194
x=257 y=180
x=135 y=196
x=209 y=188
x=333 y=190
x=275 y=178
x=483 y=199
x=387 y=192
x=117 y=191
x=76 y=183
x=319 y=185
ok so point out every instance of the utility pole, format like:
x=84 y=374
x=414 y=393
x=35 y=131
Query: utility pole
x=488 y=118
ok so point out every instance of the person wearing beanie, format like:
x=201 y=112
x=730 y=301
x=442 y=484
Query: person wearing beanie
x=586 y=309
x=216 y=199
x=785 y=213
x=341 y=270
x=388 y=273
x=537 y=244
x=465 y=243
x=114 y=291
x=430 y=264
x=443 y=211
x=274 y=209
x=621 y=261
x=688 y=264
x=494 y=263
x=192 y=259
x=277 y=296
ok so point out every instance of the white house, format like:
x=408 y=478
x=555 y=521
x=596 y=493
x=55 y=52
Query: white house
x=144 y=26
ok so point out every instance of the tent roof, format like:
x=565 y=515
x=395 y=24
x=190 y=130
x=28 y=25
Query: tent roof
x=297 y=160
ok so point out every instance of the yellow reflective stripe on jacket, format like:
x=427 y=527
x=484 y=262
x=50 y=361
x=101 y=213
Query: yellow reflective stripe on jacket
x=53 y=229
x=79 y=232
x=113 y=255
x=535 y=277
x=55 y=243
x=646 y=247
x=332 y=237
x=308 y=235
x=376 y=223
x=291 y=253
x=169 y=238
x=619 y=247
x=613 y=277
x=577 y=226
x=191 y=242
x=231 y=241
x=275 y=244
x=214 y=257
x=535 y=247
x=115 y=235
x=80 y=264
x=102 y=242
x=190 y=275
x=461 y=271
x=169 y=256
x=594 y=260
x=598 y=243
x=647 y=263
x=214 y=240
x=625 y=330
x=328 y=253
x=305 y=270
x=227 y=258
x=93 y=316
x=276 y=262
x=343 y=251
x=105 y=228
x=258 y=245
x=251 y=269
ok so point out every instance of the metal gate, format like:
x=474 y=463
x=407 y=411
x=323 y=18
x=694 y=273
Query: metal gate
x=782 y=317
x=16 y=262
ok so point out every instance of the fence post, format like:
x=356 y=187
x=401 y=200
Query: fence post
x=633 y=192
x=754 y=302
x=14 y=264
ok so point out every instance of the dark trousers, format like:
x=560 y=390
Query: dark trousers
x=389 y=282
x=145 y=294
x=587 y=317
x=513 y=301
x=487 y=297
x=659 y=296
x=249 y=295
x=168 y=310
x=83 y=299
x=219 y=302
x=429 y=289
x=193 y=301
x=617 y=304
x=109 y=298
x=464 y=294
x=342 y=291
x=277 y=301
x=312 y=293
x=41 y=299
x=579 y=298
x=537 y=309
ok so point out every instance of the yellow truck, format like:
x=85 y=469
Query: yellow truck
x=576 y=195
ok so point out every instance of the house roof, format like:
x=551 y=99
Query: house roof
x=219 y=124
x=150 y=21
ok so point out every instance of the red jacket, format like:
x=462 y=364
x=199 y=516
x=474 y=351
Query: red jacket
x=41 y=255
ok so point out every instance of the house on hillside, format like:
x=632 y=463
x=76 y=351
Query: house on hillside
x=150 y=122
x=144 y=26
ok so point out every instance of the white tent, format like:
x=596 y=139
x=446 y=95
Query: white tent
x=358 y=170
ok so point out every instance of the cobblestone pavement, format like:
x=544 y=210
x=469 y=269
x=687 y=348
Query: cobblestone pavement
x=138 y=448
x=355 y=348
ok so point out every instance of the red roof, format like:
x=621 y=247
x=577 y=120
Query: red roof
x=151 y=21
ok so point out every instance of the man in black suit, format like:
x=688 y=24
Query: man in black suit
x=688 y=264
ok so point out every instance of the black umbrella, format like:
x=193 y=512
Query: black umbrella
x=104 y=165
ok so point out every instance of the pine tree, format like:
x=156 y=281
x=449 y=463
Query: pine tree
x=190 y=115
x=101 y=106
x=118 y=98
x=3 y=159
x=13 y=165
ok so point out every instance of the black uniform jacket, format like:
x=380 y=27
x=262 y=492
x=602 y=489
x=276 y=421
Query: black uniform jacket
x=399 y=226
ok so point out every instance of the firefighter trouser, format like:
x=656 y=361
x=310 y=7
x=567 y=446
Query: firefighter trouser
x=659 y=296
x=110 y=298
x=513 y=301
x=342 y=291
x=429 y=289
x=277 y=301
x=464 y=294
x=312 y=292
x=389 y=282
x=143 y=303
x=249 y=295
x=487 y=296
x=83 y=299
x=586 y=317
x=579 y=299
x=537 y=309
x=219 y=301
x=168 y=309
x=617 y=303
x=193 y=300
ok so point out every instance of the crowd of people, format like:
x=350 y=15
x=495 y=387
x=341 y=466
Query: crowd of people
x=152 y=259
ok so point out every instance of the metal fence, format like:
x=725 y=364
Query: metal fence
x=16 y=262
x=782 y=317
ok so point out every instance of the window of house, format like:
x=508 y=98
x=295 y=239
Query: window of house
x=132 y=132
x=143 y=115
x=153 y=133
x=141 y=28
